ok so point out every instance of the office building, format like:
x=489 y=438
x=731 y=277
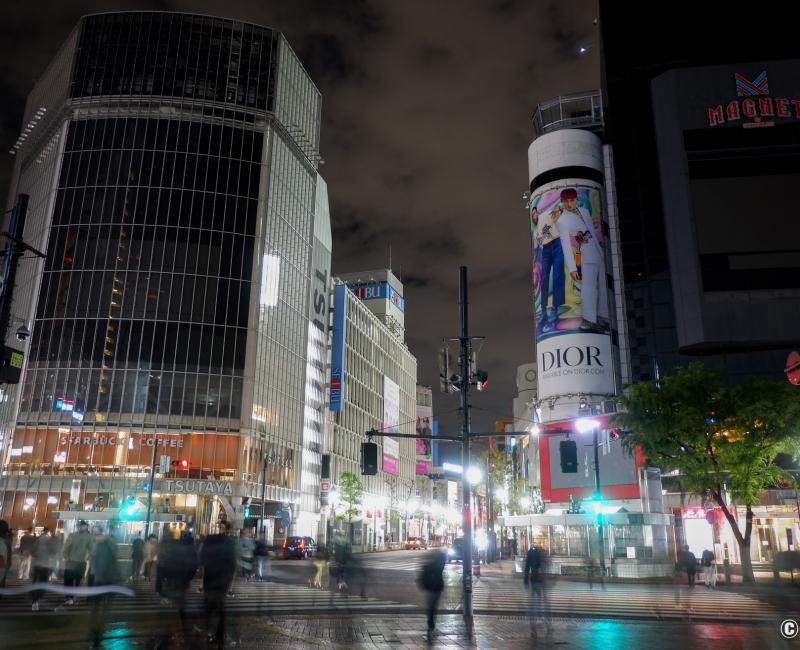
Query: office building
x=181 y=312
x=373 y=387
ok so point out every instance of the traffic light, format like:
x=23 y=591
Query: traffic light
x=482 y=379
x=181 y=463
x=568 y=451
x=369 y=458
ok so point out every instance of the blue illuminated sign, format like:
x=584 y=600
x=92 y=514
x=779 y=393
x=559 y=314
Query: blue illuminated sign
x=338 y=347
x=379 y=290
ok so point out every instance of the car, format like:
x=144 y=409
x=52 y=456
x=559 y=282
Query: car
x=455 y=552
x=415 y=544
x=298 y=547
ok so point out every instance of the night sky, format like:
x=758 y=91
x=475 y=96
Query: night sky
x=426 y=123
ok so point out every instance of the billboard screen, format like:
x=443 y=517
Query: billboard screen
x=571 y=297
x=391 y=424
x=424 y=428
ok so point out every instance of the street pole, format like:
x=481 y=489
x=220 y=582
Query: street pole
x=263 y=497
x=466 y=575
x=150 y=489
x=597 y=500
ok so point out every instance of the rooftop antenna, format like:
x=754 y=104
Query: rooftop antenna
x=390 y=256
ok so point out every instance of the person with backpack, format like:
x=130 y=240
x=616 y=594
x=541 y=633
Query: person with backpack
x=709 y=562
x=432 y=582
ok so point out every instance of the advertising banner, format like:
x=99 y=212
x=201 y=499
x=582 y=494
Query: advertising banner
x=571 y=298
x=338 y=347
x=424 y=428
x=391 y=424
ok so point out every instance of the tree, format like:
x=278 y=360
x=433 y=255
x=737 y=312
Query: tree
x=719 y=439
x=351 y=489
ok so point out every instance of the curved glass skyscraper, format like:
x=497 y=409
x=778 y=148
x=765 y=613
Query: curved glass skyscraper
x=173 y=177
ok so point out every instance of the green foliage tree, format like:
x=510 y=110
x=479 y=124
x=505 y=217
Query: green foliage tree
x=351 y=490
x=719 y=439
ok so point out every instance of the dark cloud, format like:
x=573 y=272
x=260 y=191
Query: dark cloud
x=324 y=57
x=426 y=123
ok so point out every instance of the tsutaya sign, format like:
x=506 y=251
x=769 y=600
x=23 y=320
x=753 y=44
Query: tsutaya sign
x=754 y=105
x=192 y=486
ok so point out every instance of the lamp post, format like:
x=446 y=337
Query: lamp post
x=584 y=425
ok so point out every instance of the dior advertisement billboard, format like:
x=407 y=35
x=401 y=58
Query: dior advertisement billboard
x=571 y=296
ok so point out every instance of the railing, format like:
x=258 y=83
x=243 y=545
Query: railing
x=581 y=110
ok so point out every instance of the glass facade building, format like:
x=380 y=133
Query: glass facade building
x=174 y=186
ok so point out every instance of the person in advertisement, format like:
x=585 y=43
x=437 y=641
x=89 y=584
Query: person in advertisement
x=551 y=257
x=581 y=243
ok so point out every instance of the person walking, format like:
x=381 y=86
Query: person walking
x=43 y=560
x=5 y=552
x=688 y=563
x=76 y=552
x=103 y=571
x=247 y=551
x=532 y=577
x=218 y=559
x=150 y=555
x=137 y=556
x=432 y=582
x=26 y=546
x=709 y=562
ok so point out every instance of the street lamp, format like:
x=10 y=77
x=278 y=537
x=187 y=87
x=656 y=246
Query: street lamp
x=585 y=425
x=474 y=475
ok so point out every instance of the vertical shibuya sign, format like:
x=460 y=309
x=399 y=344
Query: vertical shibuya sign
x=571 y=300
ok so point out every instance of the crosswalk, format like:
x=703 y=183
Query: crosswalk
x=621 y=601
x=247 y=598
x=410 y=561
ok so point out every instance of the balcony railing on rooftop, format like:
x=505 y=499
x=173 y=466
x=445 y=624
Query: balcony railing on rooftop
x=578 y=111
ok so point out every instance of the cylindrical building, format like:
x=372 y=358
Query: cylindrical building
x=181 y=312
x=572 y=299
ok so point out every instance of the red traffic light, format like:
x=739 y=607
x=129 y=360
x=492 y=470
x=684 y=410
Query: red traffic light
x=181 y=463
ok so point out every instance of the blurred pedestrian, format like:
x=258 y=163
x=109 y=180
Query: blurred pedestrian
x=262 y=559
x=26 y=546
x=5 y=552
x=688 y=562
x=103 y=571
x=43 y=561
x=137 y=556
x=150 y=554
x=76 y=553
x=177 y=565
x=218 y=559
x=709 y=562
x=533 y=580
x=247 y=551
x=322 y=573
x=432 y=582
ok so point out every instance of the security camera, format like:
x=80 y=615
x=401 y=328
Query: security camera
x=23 y=333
